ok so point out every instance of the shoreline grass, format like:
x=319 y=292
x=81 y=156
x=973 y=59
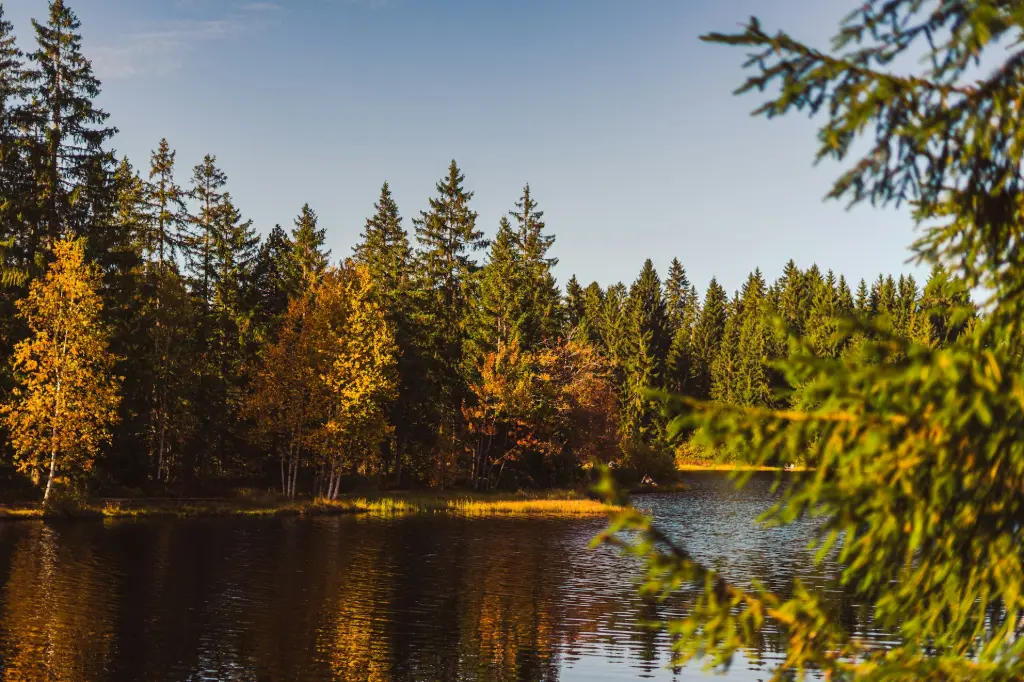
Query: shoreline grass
x=735 y=467
x=544 y=503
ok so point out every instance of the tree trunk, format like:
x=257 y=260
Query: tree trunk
x=53 y=467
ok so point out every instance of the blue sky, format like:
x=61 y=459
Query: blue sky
x=619 y=118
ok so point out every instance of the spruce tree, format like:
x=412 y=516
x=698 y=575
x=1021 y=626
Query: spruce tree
x=501 y=316
x=271 y=282
x=793 y=304
x=646 y=346
x=863 y=302
x=677 y=295
x=69 y=129
x=707 y=337
x=540 y=293
x=166 y=212
x=575 y=305
x=447 y=235
x=755 y=351
x=308 y=257
x=593 y=314
x=385 y=252
x=15 y=177
x=725 y=380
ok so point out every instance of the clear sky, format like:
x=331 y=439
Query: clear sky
x=620 y=119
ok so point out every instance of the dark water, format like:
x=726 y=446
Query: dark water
x=424 y=598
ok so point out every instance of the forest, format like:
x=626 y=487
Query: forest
x=153 y=338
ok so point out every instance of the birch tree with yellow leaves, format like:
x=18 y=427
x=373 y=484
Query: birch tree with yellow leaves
x=67 y=398
x=362 y=379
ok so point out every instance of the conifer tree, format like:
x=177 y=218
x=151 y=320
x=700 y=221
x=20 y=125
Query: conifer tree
x=707 y=337
x=677 y=295
x=725 y=373
x=385 y=252
x=755 y=350
x=575 y=305
x=448 y=236
x=308 y=257
x=540 y=294
x=502 y=314
x=15 y=177
x=793 y=304
x=862 y=304
x=69 y=128
x=593 y=314
x=166 y=212
x=271 y=282
x=647 y=341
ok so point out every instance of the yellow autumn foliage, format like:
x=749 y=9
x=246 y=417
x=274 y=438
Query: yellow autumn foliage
x=67 y=395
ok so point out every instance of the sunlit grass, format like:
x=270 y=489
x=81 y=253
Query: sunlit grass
x=541 y=503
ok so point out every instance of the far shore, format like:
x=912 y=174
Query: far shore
x=555 y=503
x=736 y=467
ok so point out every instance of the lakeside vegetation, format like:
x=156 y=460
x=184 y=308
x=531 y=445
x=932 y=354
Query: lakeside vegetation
x=154 y=340
x=550 y=503
x=918 y=457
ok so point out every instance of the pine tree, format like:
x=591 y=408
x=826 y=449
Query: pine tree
x=593 y=314
x=69 y=128
x=755 y=350
x=793 y=298
x=447 y=235
x=166 y=211
x=501 y=316
x=15 y=176
x=201 y=243
x=221 y=254
x=707 y=337
x=540 y=293
x=863 y=301
x=309 y=258
x=385 y=252
x=823 y=327
x=647 y=341
x=575 y=305
x=271 y=283
x=677 y=295
x=943 y=297
x=725 y=383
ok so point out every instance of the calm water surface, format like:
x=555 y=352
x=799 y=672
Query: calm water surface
x=426 y=598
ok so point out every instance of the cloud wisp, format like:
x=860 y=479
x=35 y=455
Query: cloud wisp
x=164 y=47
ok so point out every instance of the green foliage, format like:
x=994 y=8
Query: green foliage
x=915 y=449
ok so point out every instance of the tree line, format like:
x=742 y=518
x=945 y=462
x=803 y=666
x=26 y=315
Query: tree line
x=154 y=337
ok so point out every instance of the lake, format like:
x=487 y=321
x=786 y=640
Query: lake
x=341 y=598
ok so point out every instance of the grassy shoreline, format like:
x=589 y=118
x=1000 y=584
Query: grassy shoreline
x=549 y=503
x=683 y=468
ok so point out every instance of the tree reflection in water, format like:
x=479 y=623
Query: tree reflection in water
x=422 y=598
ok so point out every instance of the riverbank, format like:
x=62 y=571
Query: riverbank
x=549 y=503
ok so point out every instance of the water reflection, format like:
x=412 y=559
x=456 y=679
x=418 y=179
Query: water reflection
x=342 y=599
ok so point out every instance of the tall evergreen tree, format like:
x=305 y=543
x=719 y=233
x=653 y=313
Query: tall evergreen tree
x=540 y=293
x=707 y=337
x=308 y=255
x=503 y=309
x=166 y=211
x=385 y=252
x=677 y=295
x=15 y=177
x=575 y=305
x=69 y=129
x=448 y=235
x=648 y=337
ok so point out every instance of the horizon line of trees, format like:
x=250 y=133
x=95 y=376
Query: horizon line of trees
x=154 y=337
